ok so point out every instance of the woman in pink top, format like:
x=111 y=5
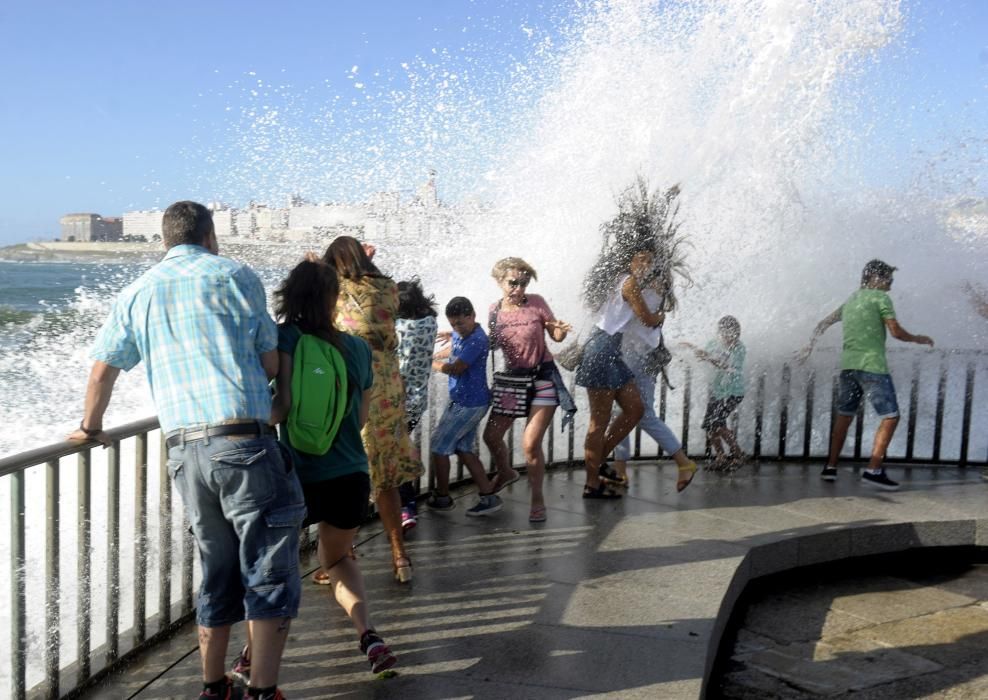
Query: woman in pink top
x=518 y=324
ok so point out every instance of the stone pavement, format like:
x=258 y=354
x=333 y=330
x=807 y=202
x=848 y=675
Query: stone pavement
x=912 y=625
x=622 y=599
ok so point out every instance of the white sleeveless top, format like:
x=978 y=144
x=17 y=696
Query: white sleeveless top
x=617 y=316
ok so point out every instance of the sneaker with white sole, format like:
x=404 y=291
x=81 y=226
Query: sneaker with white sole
x=829 y=474
x=879 y=480
x=486 y=506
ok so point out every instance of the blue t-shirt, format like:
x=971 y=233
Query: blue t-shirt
x=346 y=455
x=470 y=388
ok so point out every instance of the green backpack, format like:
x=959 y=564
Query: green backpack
x=320 y=395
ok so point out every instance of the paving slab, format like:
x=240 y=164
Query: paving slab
x=627 y=598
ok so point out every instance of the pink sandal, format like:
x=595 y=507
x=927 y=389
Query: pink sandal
x=536 y=514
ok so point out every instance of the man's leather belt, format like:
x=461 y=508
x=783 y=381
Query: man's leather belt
x=253 y=429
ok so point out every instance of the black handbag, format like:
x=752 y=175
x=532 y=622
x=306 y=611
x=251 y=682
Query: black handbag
x=512 y=393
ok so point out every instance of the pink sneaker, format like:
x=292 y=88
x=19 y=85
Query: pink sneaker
x=408 y=520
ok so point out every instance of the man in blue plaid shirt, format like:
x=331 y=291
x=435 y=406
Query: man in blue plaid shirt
x=200 y=324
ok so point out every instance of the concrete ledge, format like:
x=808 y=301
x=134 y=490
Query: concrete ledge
x=846 y=543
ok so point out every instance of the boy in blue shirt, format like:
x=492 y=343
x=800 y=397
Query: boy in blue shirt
x=465 y=361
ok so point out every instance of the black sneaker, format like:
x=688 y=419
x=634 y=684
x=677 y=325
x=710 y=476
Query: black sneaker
x=829 y=474
x=880 y=481
x=437 y=502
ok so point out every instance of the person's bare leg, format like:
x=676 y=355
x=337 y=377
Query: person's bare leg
x=600 y=401
x=213 y=642
x=494 y=433
x=629 y=399
x=441 y=464
x=477 y=472
x=389 y=508
x=267 y=638
x=344 y=573
x=883 y=436
x=837 y=438
x=539 y=420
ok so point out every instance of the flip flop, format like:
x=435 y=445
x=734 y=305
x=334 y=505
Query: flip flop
x=536 y=514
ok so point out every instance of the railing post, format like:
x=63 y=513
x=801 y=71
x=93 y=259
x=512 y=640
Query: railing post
x=164 y=538
x=687 y=391
x=84 y=566
x=808 y=422
x=968 y=406
x=663 y=401
x=113 y=553
x=552 y=441
x=913 y=409
x=18 y=589
x=52 y=589
x=941 y=398
x=784 y=410
x=140 y=537
x=756 y=449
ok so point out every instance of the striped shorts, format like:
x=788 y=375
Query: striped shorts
x=545 y=393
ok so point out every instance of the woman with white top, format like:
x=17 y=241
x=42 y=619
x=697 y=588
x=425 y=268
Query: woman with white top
x=638 y=341
x=629 y=267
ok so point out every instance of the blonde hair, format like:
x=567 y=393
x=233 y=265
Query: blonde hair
x=501 y=267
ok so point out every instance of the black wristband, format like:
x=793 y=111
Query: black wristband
x=87 y=431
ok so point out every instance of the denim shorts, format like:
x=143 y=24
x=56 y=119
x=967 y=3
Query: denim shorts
x=245 y=504
x=854 y=383
x=456 y=430
x=603 y=365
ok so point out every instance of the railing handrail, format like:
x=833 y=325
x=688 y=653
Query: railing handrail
x=25 y=460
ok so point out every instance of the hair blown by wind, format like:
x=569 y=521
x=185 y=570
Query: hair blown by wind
x=645 y=221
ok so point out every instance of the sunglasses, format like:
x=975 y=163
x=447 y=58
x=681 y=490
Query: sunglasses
x=518 y=283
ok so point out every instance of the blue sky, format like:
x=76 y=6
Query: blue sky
x=111 y=106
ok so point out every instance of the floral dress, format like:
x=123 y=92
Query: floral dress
x=416 y=344
x=367 y=308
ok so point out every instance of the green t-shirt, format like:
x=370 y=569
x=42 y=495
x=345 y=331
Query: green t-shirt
x=727 y=382
x=863 y=316
x=346 y=456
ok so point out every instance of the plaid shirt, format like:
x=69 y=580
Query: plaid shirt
x=199 y=322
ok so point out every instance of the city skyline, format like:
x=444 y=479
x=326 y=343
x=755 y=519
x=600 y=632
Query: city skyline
x=111 y=107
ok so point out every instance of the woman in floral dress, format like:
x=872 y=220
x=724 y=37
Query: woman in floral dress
x=367 y=307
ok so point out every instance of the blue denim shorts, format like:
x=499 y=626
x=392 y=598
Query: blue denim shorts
x=456 y=430
x=603 y=365
x=245 y=505
x=854 y=383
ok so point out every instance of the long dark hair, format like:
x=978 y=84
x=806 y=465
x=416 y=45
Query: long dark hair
x=347 y=256
x=307 y=299
x=412 y=301
x=646 y=221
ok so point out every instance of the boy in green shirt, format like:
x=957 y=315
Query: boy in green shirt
x=866 y=315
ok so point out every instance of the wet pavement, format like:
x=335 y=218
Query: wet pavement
x=630 y=598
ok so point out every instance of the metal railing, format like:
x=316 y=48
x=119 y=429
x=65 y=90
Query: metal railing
x=948 y=393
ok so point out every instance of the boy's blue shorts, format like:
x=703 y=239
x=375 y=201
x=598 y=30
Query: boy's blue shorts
x=457 y=429
x=854 y=384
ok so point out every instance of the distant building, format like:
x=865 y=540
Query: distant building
x=143 y=224
x=91 y=227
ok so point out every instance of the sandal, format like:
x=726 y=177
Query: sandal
x=403 y=569
x=536 y=514
x=322 y=578
x=686 y=475
x=603 y=491
x=606 y=473
x=498 y=485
